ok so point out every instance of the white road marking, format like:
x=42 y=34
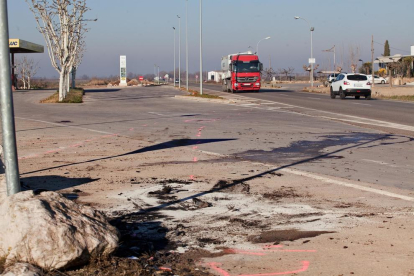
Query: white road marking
x=361 y=104
x=313 y=98
x=326 y=179
x=380 y=163
x=155 y=113
x=64 y=125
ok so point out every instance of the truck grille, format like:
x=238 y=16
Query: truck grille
x=246 y=79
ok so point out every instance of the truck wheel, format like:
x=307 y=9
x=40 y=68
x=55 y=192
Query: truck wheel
x=333 y=95
x=357 y=97
x=342 y=94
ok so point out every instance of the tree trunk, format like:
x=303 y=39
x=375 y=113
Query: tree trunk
x=62 y=91
x=28 y=83
x=73 y=77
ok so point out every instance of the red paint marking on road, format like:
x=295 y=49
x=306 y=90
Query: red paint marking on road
x=74 y=146
x=216 y=267
x=195 y=147
x=236 y=251
x=222 y=272
x=305 y=266
x=195 y=159
x=192 y=177
x=131 y=129
x=27 y=157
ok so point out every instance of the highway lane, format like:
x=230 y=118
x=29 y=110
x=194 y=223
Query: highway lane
x=385 y=110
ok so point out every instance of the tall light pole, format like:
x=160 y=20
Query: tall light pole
x=179 y=51
x=174 y=56
x=155 y=72
x=158 y=74
x=257 y=47
x=201 y=47
x=311 y=61
x=186 y=43
x=7 y=111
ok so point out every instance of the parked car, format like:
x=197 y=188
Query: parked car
x=377 y=79
x=351 y=85
x=332 y=77
x=177 y=81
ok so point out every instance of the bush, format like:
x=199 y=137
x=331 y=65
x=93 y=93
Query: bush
x=74 y=96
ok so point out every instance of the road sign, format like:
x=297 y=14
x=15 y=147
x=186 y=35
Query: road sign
x=141 y=78
x=196 y=76
x=312 y=61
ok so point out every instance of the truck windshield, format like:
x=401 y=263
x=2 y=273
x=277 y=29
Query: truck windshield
x=247 y=66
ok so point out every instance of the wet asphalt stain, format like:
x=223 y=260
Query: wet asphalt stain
x=307 y=149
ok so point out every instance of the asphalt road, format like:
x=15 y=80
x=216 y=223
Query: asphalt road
x=244 y=131
x=384 y=110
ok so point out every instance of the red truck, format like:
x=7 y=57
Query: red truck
x=241 y=72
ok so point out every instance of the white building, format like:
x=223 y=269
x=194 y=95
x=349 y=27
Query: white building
x=214 y=76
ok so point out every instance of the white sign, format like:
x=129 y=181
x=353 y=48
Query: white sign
x=196 y=76
x=312 y=61
x=122 y=74
x=412 y=50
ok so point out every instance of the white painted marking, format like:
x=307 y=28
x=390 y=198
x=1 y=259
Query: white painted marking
x=155 y=113
x=347 y=184
x=362 y=104
x=313 y=98
x=380 y=162
x=325 y=179
x=64 y=125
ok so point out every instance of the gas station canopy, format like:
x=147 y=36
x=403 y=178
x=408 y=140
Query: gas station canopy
x=24 y=47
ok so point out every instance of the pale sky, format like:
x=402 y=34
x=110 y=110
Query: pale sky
x=142 y=30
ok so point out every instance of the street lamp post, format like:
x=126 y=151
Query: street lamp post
x=257 y=47
x=311 y=59
x=179 y=51
x=174 y=56
x=158 y=74
x=201 y=47
x=186 y=43
x=155 y=72
x=11 y=164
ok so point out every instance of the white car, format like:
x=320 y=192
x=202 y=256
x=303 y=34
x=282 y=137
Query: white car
x=351 y=85
x=377 y=79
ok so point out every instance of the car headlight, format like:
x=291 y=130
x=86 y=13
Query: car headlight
x=236 y=84
x=258 y=84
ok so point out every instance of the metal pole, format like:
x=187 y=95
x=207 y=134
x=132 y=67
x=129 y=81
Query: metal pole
x=158 y=75
x=155 y=71
x=312 y=56
x=7 y=113
x=372 y=60
x=186 y=43
x=174 y=56
x=179 y=52
x=201 y=47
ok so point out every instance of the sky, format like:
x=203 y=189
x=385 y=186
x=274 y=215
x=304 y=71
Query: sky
x=142 y=30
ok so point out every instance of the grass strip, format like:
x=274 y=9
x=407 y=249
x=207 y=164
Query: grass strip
x=74 y=96
x=399 y=98
x=194 y=93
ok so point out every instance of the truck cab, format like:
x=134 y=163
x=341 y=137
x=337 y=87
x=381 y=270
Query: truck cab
x=241 y=72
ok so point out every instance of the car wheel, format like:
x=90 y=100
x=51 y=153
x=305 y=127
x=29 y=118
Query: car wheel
x=382 y=82
x=342 y=94
x=357 y=97
x=368 y=97
x=333 y=95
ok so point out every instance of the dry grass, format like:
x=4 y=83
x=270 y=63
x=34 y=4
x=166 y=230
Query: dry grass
x=398 y=98
x=74 y=96
x=194 y=93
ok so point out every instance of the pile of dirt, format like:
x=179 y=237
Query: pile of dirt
x=283 y=192
x=236 y=186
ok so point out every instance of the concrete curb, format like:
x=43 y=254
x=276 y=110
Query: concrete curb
x=197 y=99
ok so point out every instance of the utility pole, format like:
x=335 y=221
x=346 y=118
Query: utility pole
x=186 y=43
x=372 y=60
x=179 y=51
x=201 y=47
x=7 y=111
x=174 y=56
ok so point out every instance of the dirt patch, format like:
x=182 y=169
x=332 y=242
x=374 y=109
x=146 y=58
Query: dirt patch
x=278 y=236
x=284 y=192
x=235 y=186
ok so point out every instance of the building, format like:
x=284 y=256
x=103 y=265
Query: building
x=214 y=76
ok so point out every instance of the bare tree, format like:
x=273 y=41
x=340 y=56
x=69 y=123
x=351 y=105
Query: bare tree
x=27 y=69
x=353 y=57
x=63 y=28
x=287 y=72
